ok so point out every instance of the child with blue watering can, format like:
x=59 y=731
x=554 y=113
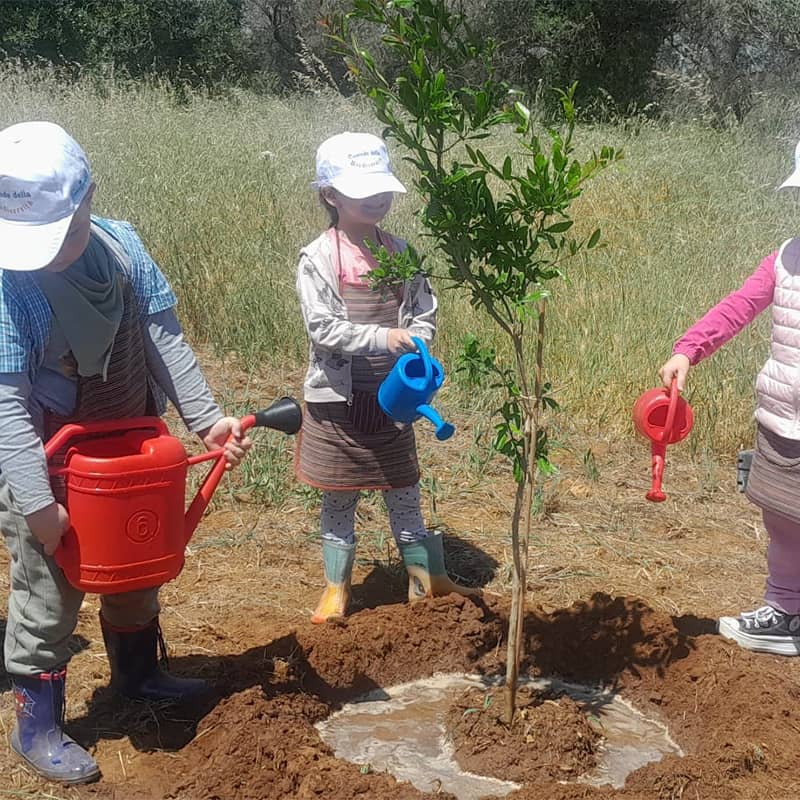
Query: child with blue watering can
x=774 y=481
x=88 y=332
x=347 y=443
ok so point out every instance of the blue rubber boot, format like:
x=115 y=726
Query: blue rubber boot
x=135 y=669
x=338 y=560
x=427 y=576
x=39 y=738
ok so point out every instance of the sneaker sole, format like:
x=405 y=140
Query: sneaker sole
x=728 y=627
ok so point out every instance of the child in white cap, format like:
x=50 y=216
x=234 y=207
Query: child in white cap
x=774 y=480
x=347 y=443
x=87 y=332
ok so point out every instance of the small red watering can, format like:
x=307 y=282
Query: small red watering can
x=126 y=493
x=664 y=417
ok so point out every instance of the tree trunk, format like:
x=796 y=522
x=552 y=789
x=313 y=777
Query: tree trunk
x=522 y=519
x=514 y=648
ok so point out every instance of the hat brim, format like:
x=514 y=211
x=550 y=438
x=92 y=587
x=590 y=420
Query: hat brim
x=357 y=187
x=792 y=181
x=25 y=247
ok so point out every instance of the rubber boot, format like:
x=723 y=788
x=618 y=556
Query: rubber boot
x=427 y=576
x=38 y=736
x=338 y=560
x=135 y=669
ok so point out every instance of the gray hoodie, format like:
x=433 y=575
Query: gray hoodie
x=333 y=339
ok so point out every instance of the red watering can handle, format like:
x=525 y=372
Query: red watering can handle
x=674 y=394
x=67 y=432
x=658 y=449
x=209 y=485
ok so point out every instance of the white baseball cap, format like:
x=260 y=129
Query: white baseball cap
x=794 y=178
x=44 y=176
x=355 y=164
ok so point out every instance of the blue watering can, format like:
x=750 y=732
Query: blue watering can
x=407 y=390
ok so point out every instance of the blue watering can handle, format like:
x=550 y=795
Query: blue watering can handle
x=426 y=359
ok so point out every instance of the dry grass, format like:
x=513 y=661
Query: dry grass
x=220 y=190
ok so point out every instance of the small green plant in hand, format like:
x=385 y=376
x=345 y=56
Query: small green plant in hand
x=504 y=226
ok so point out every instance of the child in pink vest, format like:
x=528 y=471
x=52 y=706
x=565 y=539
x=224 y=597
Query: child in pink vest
x=774 y=481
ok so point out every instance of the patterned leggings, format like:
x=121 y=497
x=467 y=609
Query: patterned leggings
x=337 y=519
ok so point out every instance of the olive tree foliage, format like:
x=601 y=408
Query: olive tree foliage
x=197 y=41
x=609 y=47
x=502 y=225
x=722 y=55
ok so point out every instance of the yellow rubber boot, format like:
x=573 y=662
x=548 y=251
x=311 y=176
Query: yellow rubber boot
x=338 y=560
x=427 y=576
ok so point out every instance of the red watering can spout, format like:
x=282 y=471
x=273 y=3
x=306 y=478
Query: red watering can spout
x=284 y=415
x=658 y=451
x=664 y=417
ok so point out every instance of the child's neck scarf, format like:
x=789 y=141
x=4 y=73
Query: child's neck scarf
x=86 y=299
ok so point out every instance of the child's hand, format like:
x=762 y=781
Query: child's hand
x=217 y=436
x=676 y=367
x=399 y=341
x=48 y=525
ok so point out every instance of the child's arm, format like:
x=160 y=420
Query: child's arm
x=170 y=360
x=173 y=365
x=24 y=466
x=22 y=459
x=721 y=323
x=730 y=315
x=326 y=319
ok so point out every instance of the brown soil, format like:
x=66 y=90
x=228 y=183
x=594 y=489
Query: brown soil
x=731 y=711
x=550 y=736
x=621 y=593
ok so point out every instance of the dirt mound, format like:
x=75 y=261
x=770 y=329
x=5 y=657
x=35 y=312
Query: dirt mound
x=550 y=737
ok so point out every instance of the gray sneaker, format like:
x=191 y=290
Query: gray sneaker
x=765 y=630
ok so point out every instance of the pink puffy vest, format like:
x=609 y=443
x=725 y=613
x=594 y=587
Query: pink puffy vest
x=778 y=383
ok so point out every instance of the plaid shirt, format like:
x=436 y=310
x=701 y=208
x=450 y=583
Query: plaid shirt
x=25 y=315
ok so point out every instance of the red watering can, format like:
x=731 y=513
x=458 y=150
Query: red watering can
x=664 y=417
x=126 y=493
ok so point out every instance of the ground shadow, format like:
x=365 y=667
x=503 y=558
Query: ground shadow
x=387 y=582
x=598 y=639
x=280 y=667
x=467 y=563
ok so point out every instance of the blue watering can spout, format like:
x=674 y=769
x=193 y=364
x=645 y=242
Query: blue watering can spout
x=444 y=430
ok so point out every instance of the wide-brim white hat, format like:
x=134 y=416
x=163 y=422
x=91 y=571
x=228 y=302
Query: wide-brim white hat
x=794 y=178
x=44 y=177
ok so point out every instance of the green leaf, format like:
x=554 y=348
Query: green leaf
x=593 y=239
